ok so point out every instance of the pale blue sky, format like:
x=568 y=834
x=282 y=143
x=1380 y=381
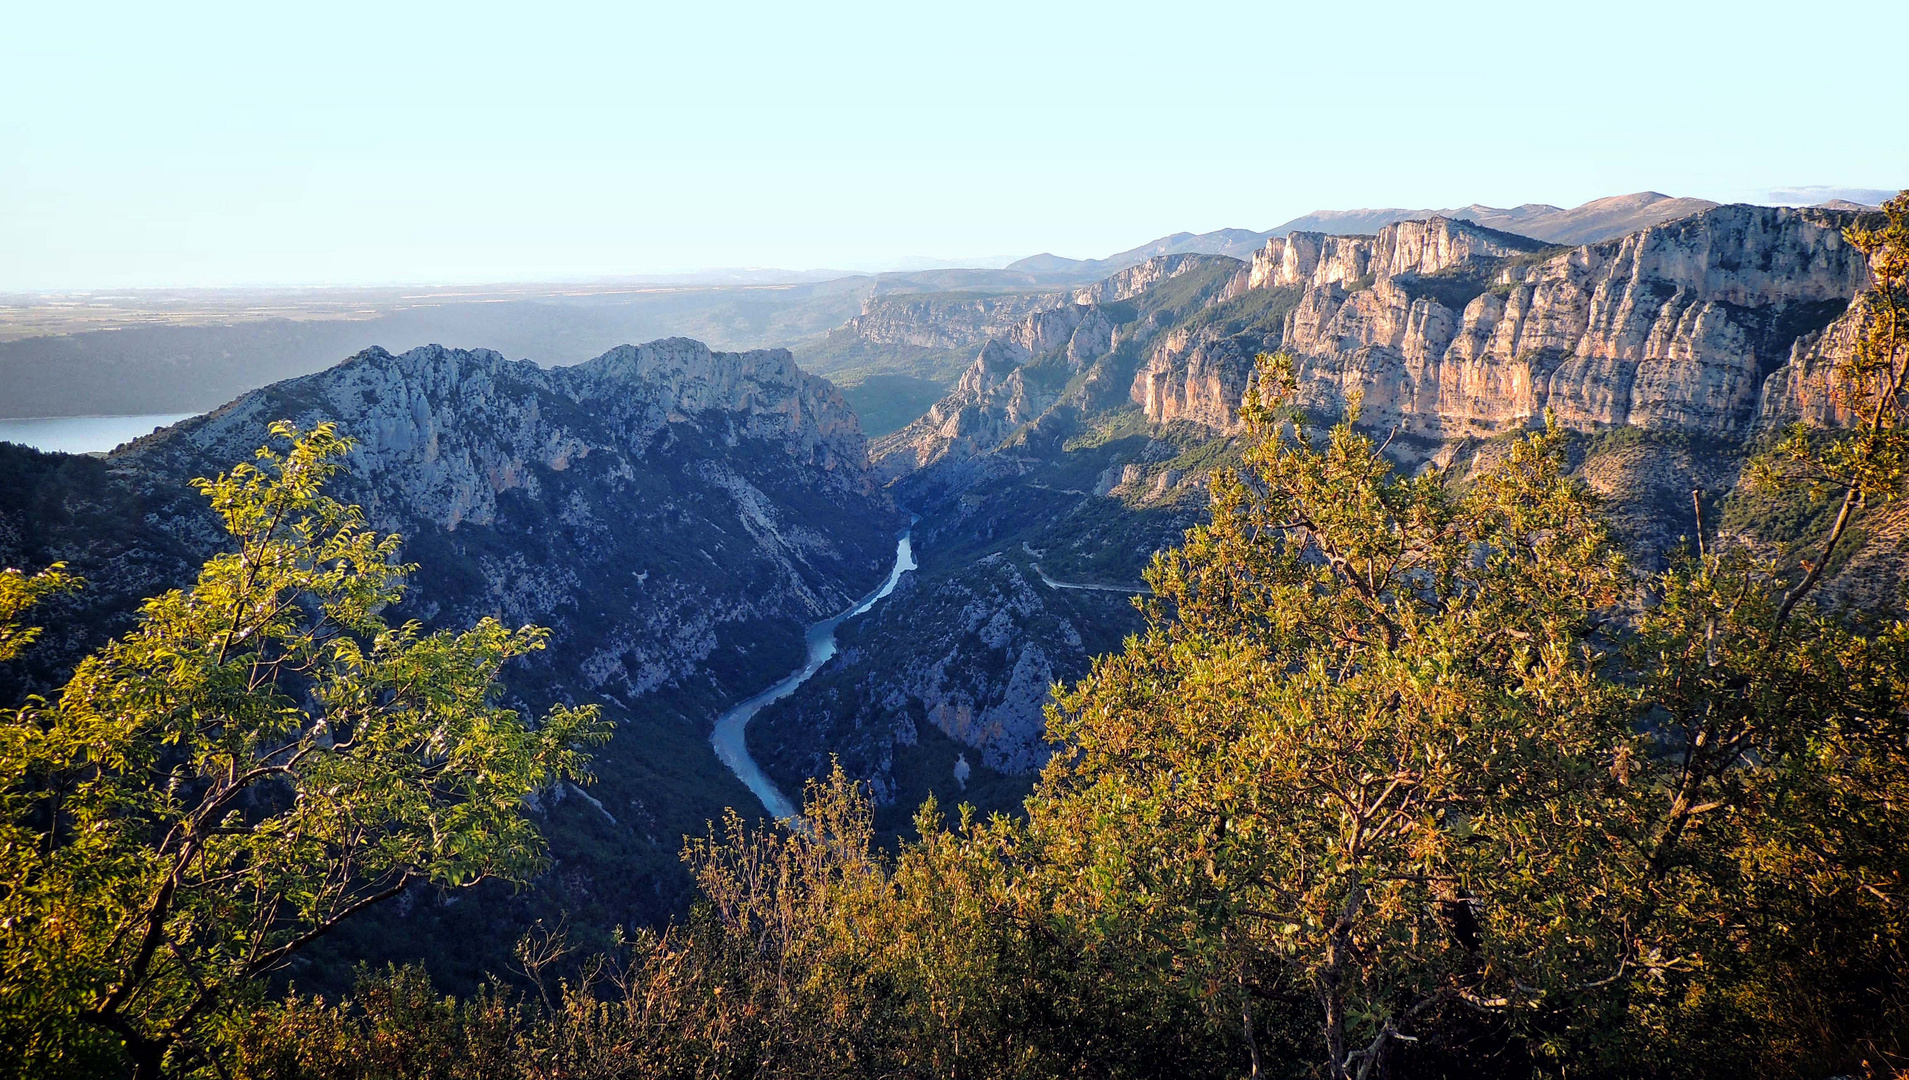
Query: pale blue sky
x=200 y=144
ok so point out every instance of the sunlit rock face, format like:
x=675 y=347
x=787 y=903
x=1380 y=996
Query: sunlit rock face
x=1445 y=329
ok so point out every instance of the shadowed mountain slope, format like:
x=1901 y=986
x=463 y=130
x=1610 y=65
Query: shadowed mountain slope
x=675 y=515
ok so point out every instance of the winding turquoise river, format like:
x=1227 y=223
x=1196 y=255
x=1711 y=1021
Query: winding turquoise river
x=731 y=727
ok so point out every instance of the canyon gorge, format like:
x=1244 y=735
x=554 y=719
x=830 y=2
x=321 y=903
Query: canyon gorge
x=677 y=515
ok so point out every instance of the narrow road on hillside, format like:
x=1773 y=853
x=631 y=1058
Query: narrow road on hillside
x=1130 y=590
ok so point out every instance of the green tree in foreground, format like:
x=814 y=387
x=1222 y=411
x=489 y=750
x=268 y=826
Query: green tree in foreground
x=259 y=759
x=20 y=591
x=1776 y=853
x=1403 y=771
x=815 y=955
x=1350 y=775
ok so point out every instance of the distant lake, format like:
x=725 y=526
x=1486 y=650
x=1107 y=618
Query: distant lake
x=84 y=434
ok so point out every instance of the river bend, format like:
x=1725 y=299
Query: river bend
x=731 y=727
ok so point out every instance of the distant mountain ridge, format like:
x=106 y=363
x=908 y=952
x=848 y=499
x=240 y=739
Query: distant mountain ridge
x=1238 y=243
x=1593 y=222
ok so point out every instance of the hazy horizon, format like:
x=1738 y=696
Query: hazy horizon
x=234 y=146
x=726 y=276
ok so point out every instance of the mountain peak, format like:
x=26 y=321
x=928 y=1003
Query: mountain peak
x=1045 y=263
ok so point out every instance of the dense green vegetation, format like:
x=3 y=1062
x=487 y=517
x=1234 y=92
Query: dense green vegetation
x=1401 y=776
x=261 y=758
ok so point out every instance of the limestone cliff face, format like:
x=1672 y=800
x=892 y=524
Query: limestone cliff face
x=442 y=433
x=1406 y=247
x=1197 y=377
x=1023 y=369
x=1445 y=329
x=1807 y=387
x=991 y=400
x=652 y=506
x=1082 y=330
x=758 y=394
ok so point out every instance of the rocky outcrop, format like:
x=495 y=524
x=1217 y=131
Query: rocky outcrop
x=1198 y=378
x=1444 y=329
x=1081 y=330
x=1027 y=369
x=1407 y=247
x=1806 y=387
x=443 y=433
x=651 y=506
x=675 y=516
x=991 y=400
x=755 y=395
